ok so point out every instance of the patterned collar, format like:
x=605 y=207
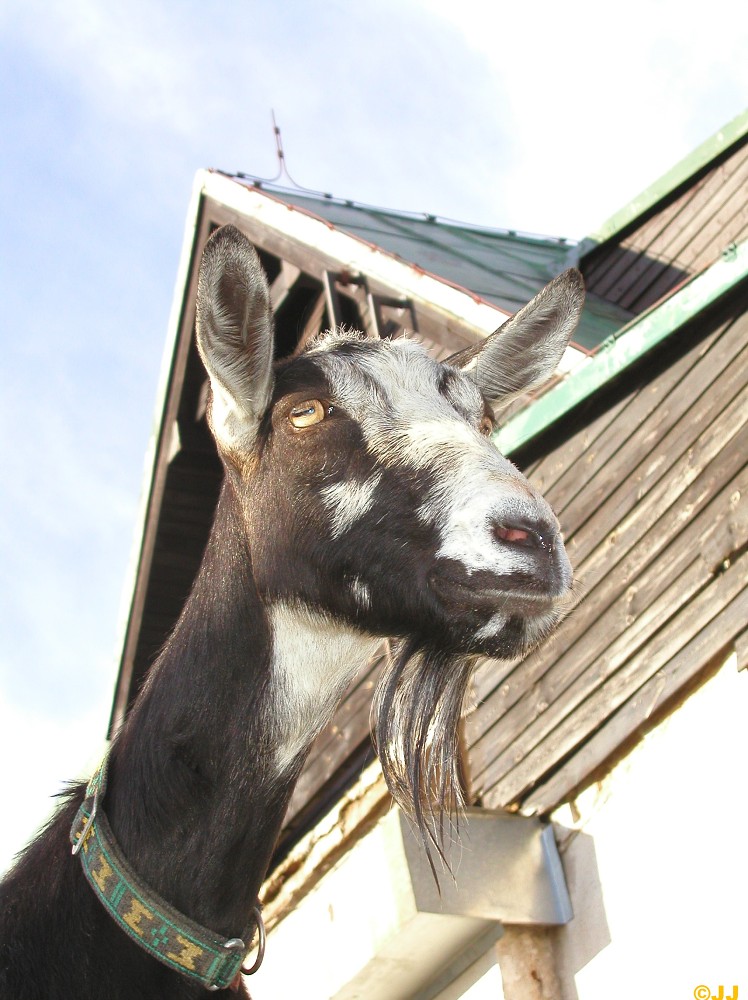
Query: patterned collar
x=148 y=919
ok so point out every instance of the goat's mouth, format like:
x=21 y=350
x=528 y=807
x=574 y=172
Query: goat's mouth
x=500 y=616
x=514 y=595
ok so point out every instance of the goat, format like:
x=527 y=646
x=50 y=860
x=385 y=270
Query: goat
x=362 y=499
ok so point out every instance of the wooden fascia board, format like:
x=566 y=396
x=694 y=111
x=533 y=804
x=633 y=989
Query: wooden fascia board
x=287 y=227
x=626 y=347
x=354 y=254
x=664 y=187
x=154 y=464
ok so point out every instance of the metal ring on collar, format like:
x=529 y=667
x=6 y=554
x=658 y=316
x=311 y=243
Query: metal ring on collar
x=260 y=944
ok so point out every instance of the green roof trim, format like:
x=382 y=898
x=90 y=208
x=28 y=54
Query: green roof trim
x=709 y=150
x=626 y=347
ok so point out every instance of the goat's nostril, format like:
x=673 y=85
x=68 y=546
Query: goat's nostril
x=505 y=534
x=526 y=536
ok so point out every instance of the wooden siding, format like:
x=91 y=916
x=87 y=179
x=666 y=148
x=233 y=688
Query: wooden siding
x=652 y=494
x=676 y=240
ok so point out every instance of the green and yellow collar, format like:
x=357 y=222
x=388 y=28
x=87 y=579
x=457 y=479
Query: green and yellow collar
x=149 y=920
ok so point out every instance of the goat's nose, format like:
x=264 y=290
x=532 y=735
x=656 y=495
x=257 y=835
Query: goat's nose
x=539 y=538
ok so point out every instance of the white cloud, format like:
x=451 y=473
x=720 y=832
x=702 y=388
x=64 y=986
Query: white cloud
x=123 y=57
x=601 y=100
x=46 y=754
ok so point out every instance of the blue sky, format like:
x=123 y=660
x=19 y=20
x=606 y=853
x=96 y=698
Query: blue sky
x=546 y=119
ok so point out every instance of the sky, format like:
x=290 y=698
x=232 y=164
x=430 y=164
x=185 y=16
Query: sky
x=543 y=117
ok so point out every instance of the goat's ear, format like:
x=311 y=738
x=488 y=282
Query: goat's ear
x=235 y=336
x=527 y=349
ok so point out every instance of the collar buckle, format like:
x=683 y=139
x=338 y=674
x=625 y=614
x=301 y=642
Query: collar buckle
x=88 y=825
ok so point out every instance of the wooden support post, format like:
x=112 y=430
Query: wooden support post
x=528 y=965
x=281 y=287
x=331 y=299
x=313 y=323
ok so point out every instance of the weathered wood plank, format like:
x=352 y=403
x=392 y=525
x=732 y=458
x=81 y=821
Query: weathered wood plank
x=741 y=649
x=281 y=287
x=737 y=228
x=673 y=507
x=684 y=245
x=712 y=221
x=664 y=646
x=632 y=718
x=563 y=689
x=586 y=482
x=673 y=243
x=606 y=274
x=655 y=445
x=631 y=521
x=621 y=615
x=607 y=538
x=582 y=447
x=725 y=184
x=313 y=324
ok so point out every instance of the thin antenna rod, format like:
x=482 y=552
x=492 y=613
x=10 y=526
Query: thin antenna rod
x=282 y=168
x=278 y=144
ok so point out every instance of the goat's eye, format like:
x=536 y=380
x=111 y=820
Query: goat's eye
x=486 y=426
x=311 y=411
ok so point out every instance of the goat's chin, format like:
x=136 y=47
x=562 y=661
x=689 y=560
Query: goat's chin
x=514 y=637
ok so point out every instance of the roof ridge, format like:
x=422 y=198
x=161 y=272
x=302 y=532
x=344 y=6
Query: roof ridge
x=280 y=191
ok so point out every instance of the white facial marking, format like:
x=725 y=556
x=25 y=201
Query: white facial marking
x=348 y=501
x=493 y=626
x=466 y=511
x=361 y=593
x=412 y=416
x=314 y=659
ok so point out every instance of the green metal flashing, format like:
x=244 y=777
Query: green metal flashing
x=624 y=348
x=677 y=175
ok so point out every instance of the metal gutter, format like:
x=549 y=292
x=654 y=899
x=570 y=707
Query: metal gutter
x=627 y=346
x=701 y=157
x=507 y=870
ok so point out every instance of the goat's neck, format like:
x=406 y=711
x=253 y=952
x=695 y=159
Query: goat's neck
x=202 y=772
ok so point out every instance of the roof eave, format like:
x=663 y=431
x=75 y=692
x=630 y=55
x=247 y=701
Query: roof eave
x=454 y=302
x=353 y=252
x=626 y=347
x=665 y=186
x=158 y=429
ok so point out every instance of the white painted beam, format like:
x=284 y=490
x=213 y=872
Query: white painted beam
x=375 y=927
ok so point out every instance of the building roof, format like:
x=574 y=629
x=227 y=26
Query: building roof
x=502 y=267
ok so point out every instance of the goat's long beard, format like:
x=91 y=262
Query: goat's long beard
x=416 y=715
